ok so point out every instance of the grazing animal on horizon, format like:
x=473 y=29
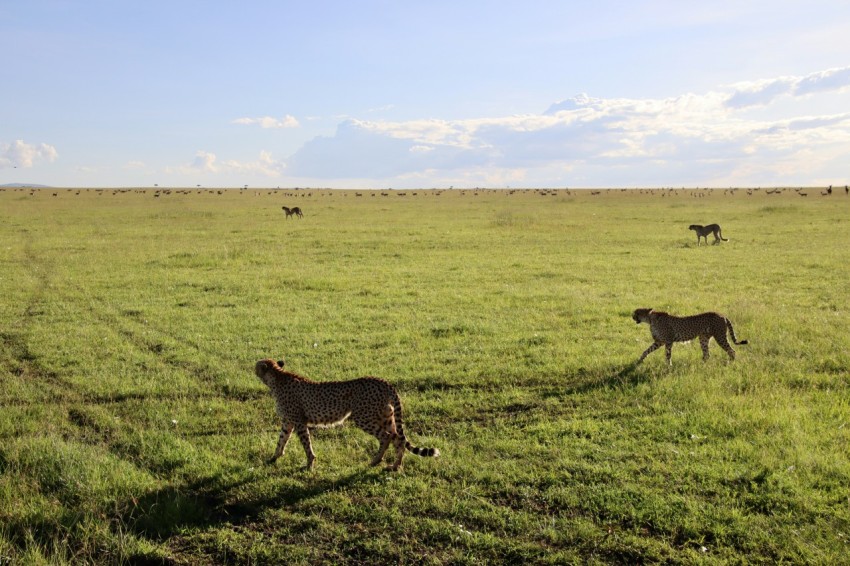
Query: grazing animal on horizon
x=372 y=403
x=294 y=211
x=667 y=329
x=704 y=231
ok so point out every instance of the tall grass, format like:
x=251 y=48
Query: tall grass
x=133 y=428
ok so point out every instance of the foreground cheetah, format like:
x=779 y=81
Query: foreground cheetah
x=371 y=402
x=704 y=231
x=667 y=329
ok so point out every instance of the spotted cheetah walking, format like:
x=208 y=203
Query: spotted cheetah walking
x=372 y=403
x=295 y=211
x=667 y=329
x=704 y=231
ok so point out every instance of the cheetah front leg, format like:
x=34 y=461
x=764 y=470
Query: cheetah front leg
x=703 y=343
x=648 y=351
x=285 y=433
x=668 y=353
x=304 y=436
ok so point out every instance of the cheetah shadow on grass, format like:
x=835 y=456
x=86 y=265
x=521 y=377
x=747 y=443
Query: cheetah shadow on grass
x=622 y=376
x=207 y=502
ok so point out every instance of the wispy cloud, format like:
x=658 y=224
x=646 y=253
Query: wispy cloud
x=269 y=122
x=24 y=155
x=208 y=163
x=380 y=108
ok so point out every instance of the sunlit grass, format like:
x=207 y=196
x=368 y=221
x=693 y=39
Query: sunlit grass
x=133 y=428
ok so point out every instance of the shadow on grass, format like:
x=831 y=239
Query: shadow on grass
x=202 y=504
x=585 y=380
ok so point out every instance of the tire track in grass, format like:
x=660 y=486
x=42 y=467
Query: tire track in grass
x=163 y=347
x=17 y=359
x=92 y=416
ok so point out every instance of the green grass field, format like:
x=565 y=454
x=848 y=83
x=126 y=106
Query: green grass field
x=133 y=430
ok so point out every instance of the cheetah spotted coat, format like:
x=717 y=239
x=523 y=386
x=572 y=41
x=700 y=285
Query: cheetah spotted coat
x=372 y=403
x=667 y=329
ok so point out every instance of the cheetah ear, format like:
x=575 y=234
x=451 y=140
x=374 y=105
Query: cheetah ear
x=280 y=364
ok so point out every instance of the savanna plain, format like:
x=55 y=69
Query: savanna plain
x=133 y=429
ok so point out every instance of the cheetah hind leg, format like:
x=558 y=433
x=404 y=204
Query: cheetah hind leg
x=391 y=434
x=724 y=343
x=399 y=442
x=385 y=438
x=384 y=432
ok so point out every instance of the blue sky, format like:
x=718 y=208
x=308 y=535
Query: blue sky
x=425 y=94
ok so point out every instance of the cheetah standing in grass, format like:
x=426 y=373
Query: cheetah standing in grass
x=667 y=329
x=704 y=231
x=295 y=211
x=372 y=403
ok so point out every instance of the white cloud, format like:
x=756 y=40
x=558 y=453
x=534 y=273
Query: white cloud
x=758 y=93
x=205 y=162
x=269 y=122
x=699 y=138
x=832 y=79
x=265 y=165
x=208 y=163
x=24 y=155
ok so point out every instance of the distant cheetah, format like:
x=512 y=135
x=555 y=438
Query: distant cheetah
x=294 y=211
x=704 y=231
x=667 y=329
x=371 y=402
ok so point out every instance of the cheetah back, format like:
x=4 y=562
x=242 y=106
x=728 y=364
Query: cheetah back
x=330 y=403
x=667 y=328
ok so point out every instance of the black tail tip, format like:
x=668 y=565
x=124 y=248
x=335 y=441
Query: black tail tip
x=743 y=342
x=426 y=452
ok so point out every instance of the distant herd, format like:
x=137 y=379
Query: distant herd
x=299 y=192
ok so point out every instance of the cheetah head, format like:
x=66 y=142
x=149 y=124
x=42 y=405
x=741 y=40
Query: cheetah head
x=641 y=315
x=265 y=370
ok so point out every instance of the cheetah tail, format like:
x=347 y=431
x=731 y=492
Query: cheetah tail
x=419 y=451
x=732 y=333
